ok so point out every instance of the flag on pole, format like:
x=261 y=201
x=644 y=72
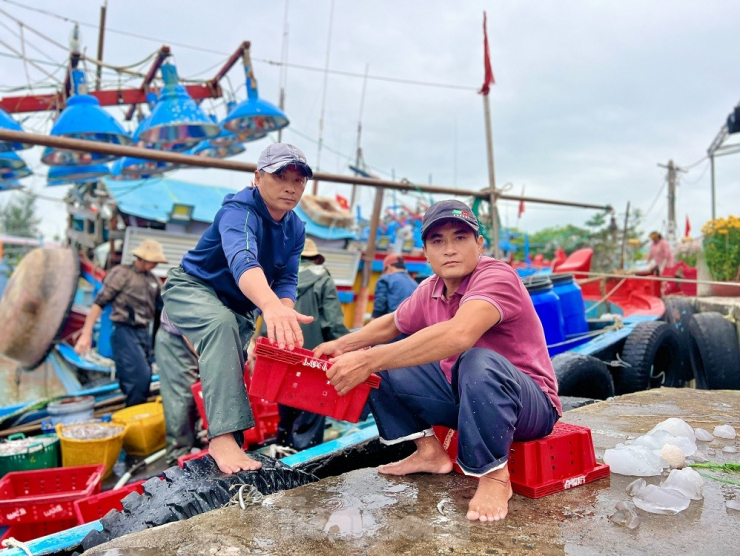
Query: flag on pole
x=521 y=205
x=342 y=201
x=687 y=230
x=488 y=78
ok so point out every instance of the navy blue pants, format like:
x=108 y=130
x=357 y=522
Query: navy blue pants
x=300 y=429
x=132 y=353
x=490 y=402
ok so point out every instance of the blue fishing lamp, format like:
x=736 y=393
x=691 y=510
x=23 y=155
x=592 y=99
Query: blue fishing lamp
x=10 y=185
x=6 y=122
x=138 y=167
x=207 y=148
x=254 y=118
x=177 y=118
x=83 y=118
x=117 y=173
x=63 y=175
x=12 y=167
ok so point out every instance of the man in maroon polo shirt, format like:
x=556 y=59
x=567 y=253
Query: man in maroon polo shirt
x=475 y=360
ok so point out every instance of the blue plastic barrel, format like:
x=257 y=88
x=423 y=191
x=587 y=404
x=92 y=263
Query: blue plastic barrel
x=547 y=306
x=572 y=307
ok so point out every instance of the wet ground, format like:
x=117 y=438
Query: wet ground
x=363 y=513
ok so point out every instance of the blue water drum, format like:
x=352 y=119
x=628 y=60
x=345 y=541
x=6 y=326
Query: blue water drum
x=572 y=306
x=547 y=306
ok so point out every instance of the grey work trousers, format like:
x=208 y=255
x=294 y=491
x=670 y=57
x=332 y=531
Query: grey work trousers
x=220 y=338
x=178 y=371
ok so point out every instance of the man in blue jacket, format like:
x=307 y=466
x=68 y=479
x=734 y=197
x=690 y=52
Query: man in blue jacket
x=247 y=260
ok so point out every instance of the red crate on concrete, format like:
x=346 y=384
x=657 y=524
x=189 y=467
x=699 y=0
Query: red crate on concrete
x=95 y=507
x=560 y=461
x=46 y=494
x=25 y=532
x=297 y=379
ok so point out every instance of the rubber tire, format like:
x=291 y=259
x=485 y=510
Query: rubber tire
x=650 y=347
x=183 y=493
x=714 y=345
x=582 y=376
x=678 y=311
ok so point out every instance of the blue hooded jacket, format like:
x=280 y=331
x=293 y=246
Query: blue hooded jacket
x=243 y=236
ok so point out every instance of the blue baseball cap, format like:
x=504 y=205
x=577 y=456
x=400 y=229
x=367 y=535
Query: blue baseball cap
x=280 y=155
x=448 y=210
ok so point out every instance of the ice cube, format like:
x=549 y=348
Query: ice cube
x=633 y=460
x=649 y=441
x=687 y=445
x=661 y=500
x=676 y=427
x=636 y=486
x=686 y=481
x=699 y=457
x=724 y=431
x=703 y=435
x=733 y=505
x=729 y=450
x=625 y=515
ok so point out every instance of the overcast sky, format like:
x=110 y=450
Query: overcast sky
x=589 y=96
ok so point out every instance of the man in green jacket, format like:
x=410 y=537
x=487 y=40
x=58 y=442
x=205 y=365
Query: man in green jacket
x=317 y=297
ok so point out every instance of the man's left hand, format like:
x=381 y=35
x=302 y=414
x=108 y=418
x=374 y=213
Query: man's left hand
x=349 y=370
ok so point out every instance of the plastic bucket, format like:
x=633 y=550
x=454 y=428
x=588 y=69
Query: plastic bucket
x=146 y=429
x=68 y=410
x=572 y=306
x=94 y=451
x=42 y=453
x=547 y=305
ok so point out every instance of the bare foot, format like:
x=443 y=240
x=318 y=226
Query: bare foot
x=229 y=456
x=429 y=457
x=491 y=500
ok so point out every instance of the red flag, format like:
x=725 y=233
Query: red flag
x=521 y=205
x=488 y=78
x=342 y=202
x=687 y=230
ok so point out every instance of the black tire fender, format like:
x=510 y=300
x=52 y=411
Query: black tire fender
x=652 y=358
x=714 y=352
x=678 y=311
x=582 y=376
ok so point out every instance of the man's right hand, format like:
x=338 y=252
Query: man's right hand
x=329 y=349
x=283 y=325
x=84 y=344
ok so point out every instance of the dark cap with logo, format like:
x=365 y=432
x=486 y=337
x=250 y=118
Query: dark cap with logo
x=448 y=210
x=280 y=155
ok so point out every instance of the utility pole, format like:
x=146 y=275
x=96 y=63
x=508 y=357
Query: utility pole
x=283 y=66
x=623 y=254
x=672 y=184
x=101 y=37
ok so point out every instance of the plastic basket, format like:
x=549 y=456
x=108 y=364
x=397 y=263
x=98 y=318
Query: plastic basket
x=560 y=461
x=187 y=457
x=146 y=431
x=46 y=494
x=36 y=456
x=297 y=379
x=97 y=506
x=29 y=531
x=87 y=452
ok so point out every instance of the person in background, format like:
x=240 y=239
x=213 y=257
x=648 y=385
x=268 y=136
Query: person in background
x=661 y=255
x=247 y=260
x=475 y=360
x=178 y=371
x=393 y=286
x=317 y=297
x=134 y=293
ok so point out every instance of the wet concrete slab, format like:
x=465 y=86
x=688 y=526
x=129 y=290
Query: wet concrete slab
x=363 y=513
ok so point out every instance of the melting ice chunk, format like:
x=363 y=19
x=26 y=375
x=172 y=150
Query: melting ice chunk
x=724 y=431
x=676 y=427
x=703 y=435
x=633 y=460
x=733 y=505
x=687 y=445
x=686 y=481
x=729 y=450
x=625 y=515
x=661 y=500
x=636 y=486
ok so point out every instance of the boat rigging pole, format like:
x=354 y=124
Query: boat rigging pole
x=101 y=38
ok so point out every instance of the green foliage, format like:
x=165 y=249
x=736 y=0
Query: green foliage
x=18 y=218
x=688 y=251
x=722 y=247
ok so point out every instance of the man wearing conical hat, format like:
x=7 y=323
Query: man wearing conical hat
x=134 y=294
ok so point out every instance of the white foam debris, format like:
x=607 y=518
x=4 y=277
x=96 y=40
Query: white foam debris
x=703 y=435
x=724 y=431
x=673 y=456
x=633 y=460
x=635 y=486
x=661 y=500
x=676 y=427
x=687 y=481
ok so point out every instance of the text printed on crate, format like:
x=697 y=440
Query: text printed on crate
x=315 y=364
x=574 y=482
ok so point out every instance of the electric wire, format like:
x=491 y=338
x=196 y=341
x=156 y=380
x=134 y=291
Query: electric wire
x=662 y=187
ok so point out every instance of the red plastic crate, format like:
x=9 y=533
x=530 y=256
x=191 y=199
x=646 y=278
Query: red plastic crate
x=560 y=461
x=187 y=457
x=46 y=494
x=29 y=531
x=97 y=506
x=297 y=379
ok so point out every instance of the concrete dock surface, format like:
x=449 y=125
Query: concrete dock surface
x=363 y=513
